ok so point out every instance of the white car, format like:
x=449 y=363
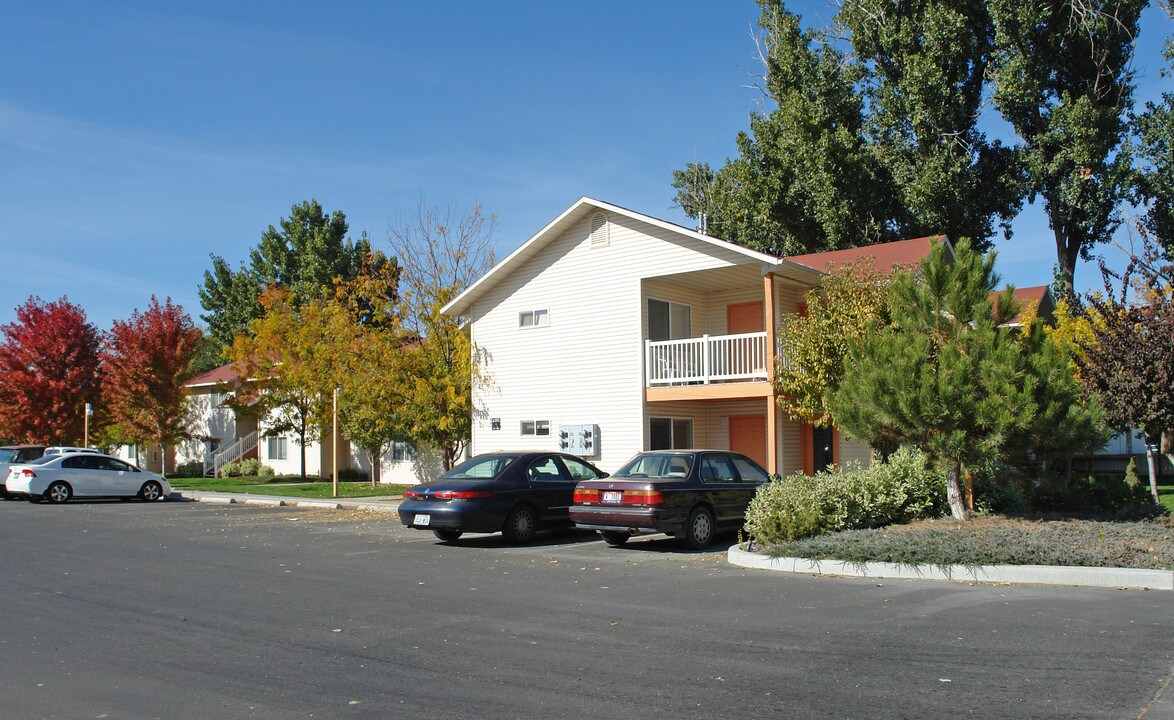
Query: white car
x=57 y=478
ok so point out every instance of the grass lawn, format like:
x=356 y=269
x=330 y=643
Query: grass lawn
x=289 y=487
x=1166 y=495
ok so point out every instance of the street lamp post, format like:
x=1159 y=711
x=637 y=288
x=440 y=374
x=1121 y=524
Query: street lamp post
x=89 y=412
x=334 y=450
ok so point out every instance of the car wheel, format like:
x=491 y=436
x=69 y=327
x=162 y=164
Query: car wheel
x=151 y=491
x=613 y=537
x=448 y=535
x=699 y=529
x=521 y=525
x=58 y=492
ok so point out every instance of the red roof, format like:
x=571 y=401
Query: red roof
x=886 y=255
x=224 y=373
x=1038 y=295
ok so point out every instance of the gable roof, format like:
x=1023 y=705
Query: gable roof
x=887 y=255
x=579 y=210
x=1038 y=295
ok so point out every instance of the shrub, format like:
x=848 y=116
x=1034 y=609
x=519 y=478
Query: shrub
x=898 y=490
x=190 y=469
x=232 y=469
x=1121 y=496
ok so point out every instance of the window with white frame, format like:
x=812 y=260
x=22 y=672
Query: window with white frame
x=278 y=449
x=670 y=433
x=535 y=427
x=534 y=318
x=669 y=320
x=403 y=451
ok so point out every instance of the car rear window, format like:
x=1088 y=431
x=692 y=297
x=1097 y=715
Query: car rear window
x=481 y=468
x=657 y=465
x=7 y=456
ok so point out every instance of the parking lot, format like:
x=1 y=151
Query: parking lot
x=190 y=610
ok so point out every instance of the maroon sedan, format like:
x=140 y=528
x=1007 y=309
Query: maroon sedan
x=689 y=494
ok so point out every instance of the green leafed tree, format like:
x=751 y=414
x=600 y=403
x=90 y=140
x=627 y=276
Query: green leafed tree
x=804 y=179
x=865 y=141
x=304 y=254
x=1062 y=80
x=1154 y=189
x=944 y=377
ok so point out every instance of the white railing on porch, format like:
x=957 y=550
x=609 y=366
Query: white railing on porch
x=229 y=454
x=707 y=359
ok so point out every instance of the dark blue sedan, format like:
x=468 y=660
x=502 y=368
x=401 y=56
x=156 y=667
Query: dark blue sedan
x=514 y=493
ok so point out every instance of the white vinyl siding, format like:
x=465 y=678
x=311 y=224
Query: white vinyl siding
x=854 y=452
x=589 y=366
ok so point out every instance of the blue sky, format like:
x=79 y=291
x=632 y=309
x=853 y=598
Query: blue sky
x=137 y=138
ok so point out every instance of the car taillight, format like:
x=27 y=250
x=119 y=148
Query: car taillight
x=412 y=494
x=586 y=495
x=463 y=494
x=643 y=497
x=28 y=473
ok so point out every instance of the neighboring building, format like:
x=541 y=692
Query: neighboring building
x=610 y=332
x=221 y=433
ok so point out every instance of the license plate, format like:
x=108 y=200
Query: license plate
x=422 y=520
x=613 y=497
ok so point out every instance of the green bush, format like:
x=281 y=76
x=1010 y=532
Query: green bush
x=249 y=467
x=190 y=469
x=898 y=490
x=1122 y=496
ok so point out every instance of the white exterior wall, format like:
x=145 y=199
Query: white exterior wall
x=587 y=366
x=292 y=465
x=208 y=419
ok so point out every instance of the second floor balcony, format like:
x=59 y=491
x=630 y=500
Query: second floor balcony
x=706 y=360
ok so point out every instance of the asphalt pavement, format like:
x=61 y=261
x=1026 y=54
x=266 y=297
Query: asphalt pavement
x=202 y=610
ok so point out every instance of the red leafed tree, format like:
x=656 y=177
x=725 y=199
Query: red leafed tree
x=146 y=362
x=49 y=370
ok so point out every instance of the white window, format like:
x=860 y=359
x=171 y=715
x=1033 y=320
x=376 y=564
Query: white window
x=535 y=427
x=277 y=448
x=402 y=451
x=669 y=320
x=670 y=433
x=533 y=318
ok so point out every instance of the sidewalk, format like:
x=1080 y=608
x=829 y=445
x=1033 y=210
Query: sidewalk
x=383 y=503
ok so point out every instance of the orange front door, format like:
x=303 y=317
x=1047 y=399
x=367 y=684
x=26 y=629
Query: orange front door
x=748 y=436
x=744 y=318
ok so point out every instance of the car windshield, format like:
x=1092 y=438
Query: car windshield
x=481 y=468
x=657 y=465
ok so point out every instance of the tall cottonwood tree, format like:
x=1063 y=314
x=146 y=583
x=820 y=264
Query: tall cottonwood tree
x=50 y=367
x=1062 y=80
x=1154 y=182
x=146 y=361
x=868 y=141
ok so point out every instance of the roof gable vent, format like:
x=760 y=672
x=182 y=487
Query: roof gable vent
x=600 y=235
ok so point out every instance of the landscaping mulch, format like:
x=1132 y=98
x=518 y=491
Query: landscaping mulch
x=993 y=540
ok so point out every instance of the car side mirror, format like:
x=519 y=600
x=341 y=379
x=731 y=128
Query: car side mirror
x=603 y=475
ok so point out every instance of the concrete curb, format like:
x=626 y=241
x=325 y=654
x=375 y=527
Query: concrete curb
x=1014 y=574
x=389 y=505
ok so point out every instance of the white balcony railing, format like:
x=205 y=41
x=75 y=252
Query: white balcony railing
x=707 y=359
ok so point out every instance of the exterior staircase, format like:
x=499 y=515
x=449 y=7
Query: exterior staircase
x=238 y=450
